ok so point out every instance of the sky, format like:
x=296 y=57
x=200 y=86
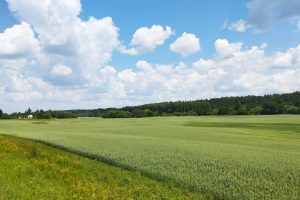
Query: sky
x=70 y=54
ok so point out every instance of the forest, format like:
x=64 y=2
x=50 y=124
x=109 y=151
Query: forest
x=245 y=105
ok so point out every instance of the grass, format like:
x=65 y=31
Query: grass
x=30 y=170
x=230 y=157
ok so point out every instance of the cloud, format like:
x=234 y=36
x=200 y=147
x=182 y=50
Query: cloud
x=53 y=21
x=287 y=59
x=147 y=39
x=18 y=41
x=250 y=71
x=52 y=32
x=204 y=65
x=143 y=65
x=222 y=77
x=65 y=38
x=186 y=44
x=239 y=26
x=61 y=70
x=263 y=14
x=239 y=71
x=226 y=49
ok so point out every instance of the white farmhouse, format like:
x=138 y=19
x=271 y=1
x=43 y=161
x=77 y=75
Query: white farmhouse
x=30 y=116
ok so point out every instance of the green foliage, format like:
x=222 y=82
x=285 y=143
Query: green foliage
x=266 y=105
x=222 y=157
x=223 y=110
x=271 y=108
x=62 y=114
x=142 y=113
x=28 y=112
x=288 y=109
x=256 y=110
x=117 y=114
x=202 y=108
x=41 y=114
x=242 y=110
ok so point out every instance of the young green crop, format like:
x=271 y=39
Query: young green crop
x=29 y=170
x=232 y=157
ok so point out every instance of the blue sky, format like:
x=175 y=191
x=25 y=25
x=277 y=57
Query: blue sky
x=67 y=54
x=203 y=18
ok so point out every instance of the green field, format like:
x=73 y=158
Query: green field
x=232 y=157
x=29 y=170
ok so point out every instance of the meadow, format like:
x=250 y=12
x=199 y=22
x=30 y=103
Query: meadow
x=221 y=157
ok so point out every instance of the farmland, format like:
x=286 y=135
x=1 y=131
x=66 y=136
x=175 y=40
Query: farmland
x=232 y=157
x=29 y=170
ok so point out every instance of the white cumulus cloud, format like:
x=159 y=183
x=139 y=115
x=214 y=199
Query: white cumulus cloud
x=186 y=44
x=18 y=41
x=225 y=49
x=65 y=38
x=147 y=39
x=243 y=71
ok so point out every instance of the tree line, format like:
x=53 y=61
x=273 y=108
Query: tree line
x=38 y=114
x=246 y=105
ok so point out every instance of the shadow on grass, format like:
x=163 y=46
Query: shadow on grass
x=264 y=126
